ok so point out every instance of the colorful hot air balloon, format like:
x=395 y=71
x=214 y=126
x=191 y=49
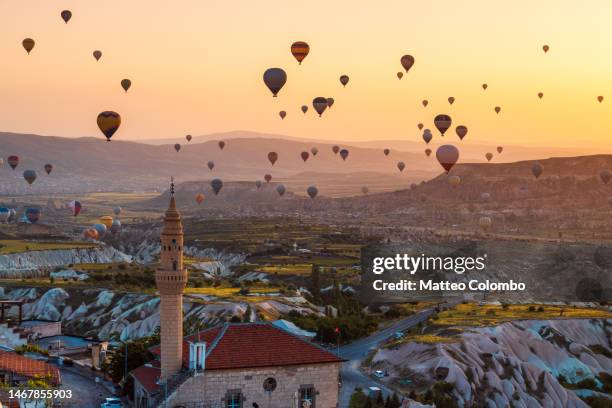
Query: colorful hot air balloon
x=216 y=185
x=330 y=102
x=258 y=184
x=29 y=176
x=211 y=165
x=451 y=100
x=280 y=189
x=48 y=168
x=126 y=84
x=489 y=156
x=28 y=44
x=454 y=180
x=497 y=109
x=365 y=190
x=282 y=114
x=605 y=175
x=304 y=108
x=199 y=198
x=545 y=48
x=66 y=15
x=299 y=50
x=221 y=144
x=540 y=95
x=13 y=161
x=485 y=223
x=401 y=166
x=97 y=55
x=485 y=86
x=117 y=211
x=420 y=126
x=344 y=154
x=425 y=102
x=335 y=149
x=386 y=152
x=106 y=220
x=442 y=122
x=91 y=233
x=188 y=137
x=344 y=79
x=268 y=178
x=407 y=62
x=314 y=151
x=500 y=149
x=33 y=215
x=304 y=155
x=461 y=131
x=312 y=192
x=275 y=79
x=273 y=157
x=319 y=104
x=600 y=98
x=428 y=152
x=400 y=74
x=447 y=156
x=115 y=227
x=427 y=136
x=75 y=206
x=177 y=147
x=109 y=122
x=100 y=229
x=537 y=169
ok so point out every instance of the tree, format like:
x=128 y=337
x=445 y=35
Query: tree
x=315 y=280
x=247 y=314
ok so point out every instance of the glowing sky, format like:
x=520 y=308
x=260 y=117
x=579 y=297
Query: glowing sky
x=196 y=67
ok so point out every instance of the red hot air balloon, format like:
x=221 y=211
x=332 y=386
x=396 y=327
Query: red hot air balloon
x=401 y=166
x=420 y=126
x=442 y=122
x=48 y=168
x=275 y=79
x=319 y=104
x=344 y=79
x=268 y=178
x=300 y=50
x=461 y=131
x=188 y=137
x=344 y=154
x=199 y=198
x=221 y=144
x=304 y=156
x=335 y=149
x=425 y=102
x=282 y=114
x=447 y=156
x=75 y=206
x=13 y=161
x=273 y=157
x=427 y=152
x=407 y=62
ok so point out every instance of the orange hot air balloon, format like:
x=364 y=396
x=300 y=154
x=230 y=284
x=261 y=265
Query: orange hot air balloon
x=489 y=156
x=425 y=102
x=304 y=155
x=300 y=50
x=344 y=79
x=407 y=62
x=600 y=98
x=221 y=144
x=109 y=122
x=199 y=198
x=400 y=74
x=401 y=166
x=545 y=48
x=273 y=157
x=485 y=86
x=540 y=95
x=420 y=126
x=428 y=152
x=91 y=233
x=335 y=149
x=497 y=109
x=268 y=178
x=461 y=131
x=447 y=156
x=106 y=220
x=28 y=44
x=451 y=100
x=282 y=114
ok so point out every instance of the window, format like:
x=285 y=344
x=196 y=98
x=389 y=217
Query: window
x=307 y=393
x=174 y=265
x=233 y=399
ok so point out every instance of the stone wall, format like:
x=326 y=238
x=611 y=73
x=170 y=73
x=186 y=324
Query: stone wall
x=211 y=388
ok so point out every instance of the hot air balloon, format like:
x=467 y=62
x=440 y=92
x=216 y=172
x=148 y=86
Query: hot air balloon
x=485 y=197
x=177 y=147
x=344 y=154
x=100 y=229
x=299 y=50
x=540 y=95
x=461 y=131
x=497 y=109
x=304 y=155
x=275 y=79
x=400 y=75
x=211 y=165
x=344 y=79
x=537 y=169
x=188 y=137
x=485 y=223
x=216 y=185
x=600 y=98
x=365 y=190
x=447 y=155
x=106 y=220
x=427 y=136
x=500 y=149
x=97 y=55
x=427 y=152
x=13 y=161
x=33 y=215
x=407 y=62
x=330 y=102
x=115 y=227
x=314 y=151
x=605 y=175
x=386 y=152
x=454 y=180
x=258 y=184
x=451 y=100
x=29 y=176
x=319 y=104
x=109 y=122
x=545 y=48
x=117 y=210
x=66 y=15
x=425 y=102
x=280 y=189
x=335 y=149
x=273 y=157
x=126 y=84
x=401 y=166
x=28 y=44
x=304 y=108
x=489 y=156
x=442 y=122
x=91 y=233
x=75 y=206
x=221 y=144
x=48 y=168
x=485 y=86
x=420 y=126
x=268 y=178
x=312 y=191
x=282 y=114
x=199 y=198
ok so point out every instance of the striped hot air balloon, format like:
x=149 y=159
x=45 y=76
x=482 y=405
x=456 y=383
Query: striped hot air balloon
x=300 y=50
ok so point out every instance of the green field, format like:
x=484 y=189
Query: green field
x=15 y=246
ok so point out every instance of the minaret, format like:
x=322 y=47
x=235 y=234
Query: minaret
x=170 y=279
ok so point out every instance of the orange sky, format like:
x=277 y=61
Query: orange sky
x=196 y=67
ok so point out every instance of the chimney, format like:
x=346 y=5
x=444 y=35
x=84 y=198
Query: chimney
x=197 y=356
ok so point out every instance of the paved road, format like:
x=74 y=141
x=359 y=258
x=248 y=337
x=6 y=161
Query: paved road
x=355 y=352
x=86 y=393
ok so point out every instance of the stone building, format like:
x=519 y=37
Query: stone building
x=238 y=365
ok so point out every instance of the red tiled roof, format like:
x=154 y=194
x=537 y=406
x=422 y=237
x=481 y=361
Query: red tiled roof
x=147 y=376
x=27 y=367
x=249 y=345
